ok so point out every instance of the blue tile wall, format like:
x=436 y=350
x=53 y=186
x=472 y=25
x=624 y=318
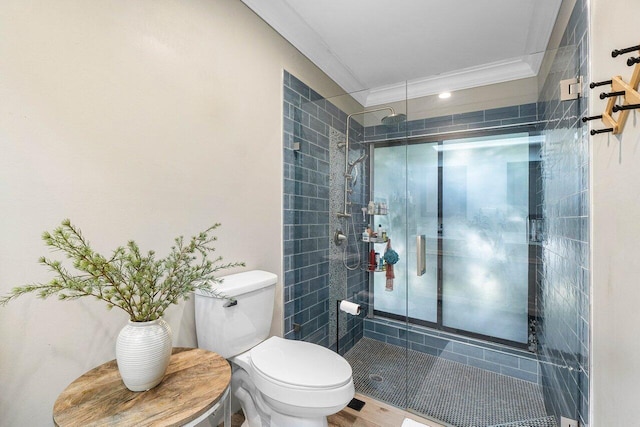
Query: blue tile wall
x=306 y=212
x=307 y=121
x=563 y=273
x=505 y=116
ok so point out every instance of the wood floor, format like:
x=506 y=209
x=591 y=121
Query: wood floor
x=373 y=414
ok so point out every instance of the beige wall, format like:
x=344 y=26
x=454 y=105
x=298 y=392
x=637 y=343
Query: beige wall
x=138 y=120
x=615 y=233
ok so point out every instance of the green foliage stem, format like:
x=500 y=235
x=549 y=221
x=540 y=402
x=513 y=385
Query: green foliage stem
x=139 y=284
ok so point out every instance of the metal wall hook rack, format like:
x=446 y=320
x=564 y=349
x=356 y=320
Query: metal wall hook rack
x=617 y=108
x=619 y=89
x=596 y=84
x=597 y=131
x=604 y=95
x=586 y=119
x=632 y=61
x=617 y=52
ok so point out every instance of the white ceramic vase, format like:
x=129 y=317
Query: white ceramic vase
x=143 y=350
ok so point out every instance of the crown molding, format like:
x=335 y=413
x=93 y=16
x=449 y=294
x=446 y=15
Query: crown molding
x=496 y=72
x=293 y=28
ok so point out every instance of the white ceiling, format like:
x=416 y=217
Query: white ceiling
x=373 y=47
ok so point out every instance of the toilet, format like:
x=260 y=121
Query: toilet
x=279 y=382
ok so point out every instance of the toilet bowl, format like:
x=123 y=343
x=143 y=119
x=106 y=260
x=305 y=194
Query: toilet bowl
x=296 y=380
x=279 y=382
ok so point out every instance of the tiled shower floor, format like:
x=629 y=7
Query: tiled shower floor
x=447 y=391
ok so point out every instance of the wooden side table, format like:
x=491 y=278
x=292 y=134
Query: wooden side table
x=195 y=386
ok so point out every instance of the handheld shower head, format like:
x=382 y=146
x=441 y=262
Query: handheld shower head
x=352 y=171
x=363 y=156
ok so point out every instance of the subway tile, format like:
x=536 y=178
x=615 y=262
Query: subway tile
x=452 y=128
x=415 y=125
x=501 y=358
x=425 y=349
x=468 y=118
x=488 y=124
x=519 y=120
x=517 y=373
x=467 y=350
x=374 y=335
x=335 y=112
x=412 y=336
x=318 y=126
x=292 y=97
x=529 y=110
x=386 y=330
x=434 y=342
x=396 y=341
x=318 y=309
x=436 y=122
x=529 y=365
x=299 y=87
x=483 y=364
x=289 y=309
x=310 y=108
x=501 y=113
x=396 y=135
x=317 y=98
x=455 y=357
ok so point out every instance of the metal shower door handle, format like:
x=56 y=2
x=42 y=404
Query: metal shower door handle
x=421 y=254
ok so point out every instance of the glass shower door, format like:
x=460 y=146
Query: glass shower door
x=484 y=244
x=406 y=177
x=468 y=200
x=464 y=282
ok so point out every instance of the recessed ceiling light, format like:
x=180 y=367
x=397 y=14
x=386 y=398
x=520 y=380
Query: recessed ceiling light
x=444 y=95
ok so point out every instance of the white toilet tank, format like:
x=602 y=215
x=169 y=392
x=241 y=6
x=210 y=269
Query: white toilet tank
x=235 y=329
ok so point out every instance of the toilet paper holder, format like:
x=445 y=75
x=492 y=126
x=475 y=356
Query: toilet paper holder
x=361 y=313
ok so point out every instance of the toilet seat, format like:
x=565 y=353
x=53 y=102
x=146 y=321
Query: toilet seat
x=294 y=374
x=300 y=364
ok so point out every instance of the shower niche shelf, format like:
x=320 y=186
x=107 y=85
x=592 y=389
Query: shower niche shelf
x=375 y=240
x=377 y=270
x=367 y=262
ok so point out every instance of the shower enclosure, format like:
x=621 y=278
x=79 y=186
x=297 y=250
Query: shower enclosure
x=451 y=330
x=472 y=202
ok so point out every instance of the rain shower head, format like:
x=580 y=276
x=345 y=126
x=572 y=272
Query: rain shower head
x=393 y=119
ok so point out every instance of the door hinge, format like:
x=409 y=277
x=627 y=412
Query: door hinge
x=570 y=88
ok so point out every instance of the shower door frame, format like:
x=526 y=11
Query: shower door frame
x=533 y=249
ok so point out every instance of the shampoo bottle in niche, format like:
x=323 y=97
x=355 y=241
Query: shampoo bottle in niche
x=372 y=260
x=371 y=208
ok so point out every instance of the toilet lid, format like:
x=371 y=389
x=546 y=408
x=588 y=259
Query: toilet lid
x=300 y=363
